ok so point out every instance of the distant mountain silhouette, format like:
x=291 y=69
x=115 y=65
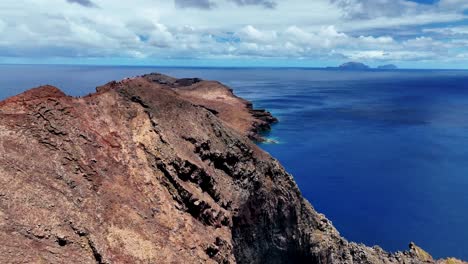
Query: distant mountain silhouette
x=387 y=67
x=353 y=66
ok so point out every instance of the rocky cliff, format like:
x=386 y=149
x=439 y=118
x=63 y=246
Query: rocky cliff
x=155 y=169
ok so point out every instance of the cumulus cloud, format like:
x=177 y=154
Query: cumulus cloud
x=367 y=55
x=251 y=34
x=85 y=3
x=161 y=37
x=377 y=40
x=338 y=29
x=325 y=37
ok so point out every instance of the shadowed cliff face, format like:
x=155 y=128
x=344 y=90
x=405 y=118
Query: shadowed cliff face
x=155 y=170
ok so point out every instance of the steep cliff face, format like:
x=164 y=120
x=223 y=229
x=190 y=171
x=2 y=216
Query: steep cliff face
x=155 y=170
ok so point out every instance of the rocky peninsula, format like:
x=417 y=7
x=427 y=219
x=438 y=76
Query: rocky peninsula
x=155 y=169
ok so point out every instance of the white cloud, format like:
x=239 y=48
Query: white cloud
x=377 y=40
x=160 y=36
x=350 y=29
x=251 y=34
x=367 y=9
x=419 y=42
x=366 y=55
x=399 y=21
x=2 y=25
x=325 y=37
x=450 y=31
x=380 y=55
x=371 y=14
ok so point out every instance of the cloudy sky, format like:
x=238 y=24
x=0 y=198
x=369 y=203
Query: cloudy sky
x=411 y=34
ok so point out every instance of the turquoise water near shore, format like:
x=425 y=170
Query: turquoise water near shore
x=384 y=154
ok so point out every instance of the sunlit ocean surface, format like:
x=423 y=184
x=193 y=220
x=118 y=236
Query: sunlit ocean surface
x=384 y=154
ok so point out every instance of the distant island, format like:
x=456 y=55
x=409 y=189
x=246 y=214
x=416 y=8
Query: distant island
x=387 y=67
x=352 y=65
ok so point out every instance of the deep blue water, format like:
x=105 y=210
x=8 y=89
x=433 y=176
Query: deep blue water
x=384 y=154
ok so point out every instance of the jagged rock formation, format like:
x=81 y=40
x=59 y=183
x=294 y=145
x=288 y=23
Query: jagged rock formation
x=155 y=170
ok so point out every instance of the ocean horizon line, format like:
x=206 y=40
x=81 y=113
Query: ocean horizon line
x=329 y=68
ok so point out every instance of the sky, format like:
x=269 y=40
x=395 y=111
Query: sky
x=284 y=33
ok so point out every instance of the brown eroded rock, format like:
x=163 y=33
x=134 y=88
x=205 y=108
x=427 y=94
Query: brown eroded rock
x=149 y=170
x=220 y=100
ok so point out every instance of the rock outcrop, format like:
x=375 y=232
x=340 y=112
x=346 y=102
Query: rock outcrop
x=221 y=101
x=155 y=169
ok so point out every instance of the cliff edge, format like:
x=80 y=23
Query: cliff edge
x=155 y=169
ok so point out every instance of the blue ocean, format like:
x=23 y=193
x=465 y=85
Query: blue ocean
x=383 y=154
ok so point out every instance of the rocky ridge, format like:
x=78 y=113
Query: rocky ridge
x=155 y=169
